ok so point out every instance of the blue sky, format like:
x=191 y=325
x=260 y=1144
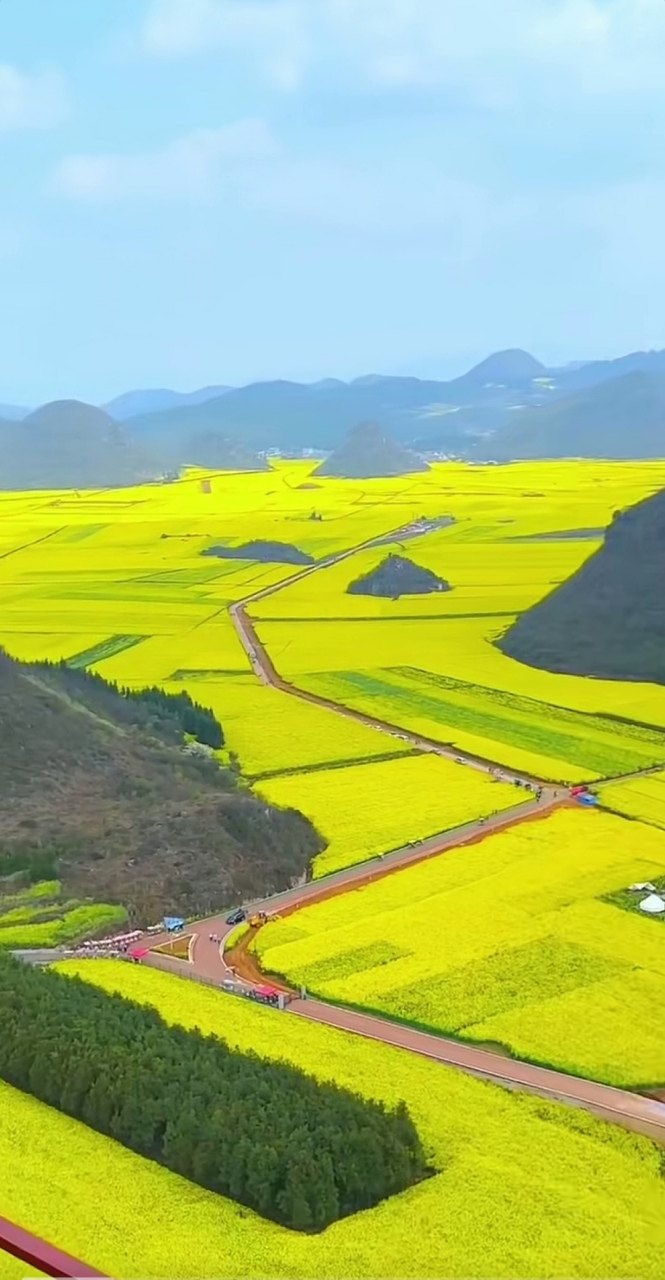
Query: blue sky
x=218 y=191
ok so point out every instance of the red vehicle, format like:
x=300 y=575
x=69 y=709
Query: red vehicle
x=266 y=995
x=578 y=791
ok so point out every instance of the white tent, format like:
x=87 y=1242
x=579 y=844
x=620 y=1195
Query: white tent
x=653 y=905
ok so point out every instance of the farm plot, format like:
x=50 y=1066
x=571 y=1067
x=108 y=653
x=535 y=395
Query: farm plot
x=510 y=941
x=598 y=1208
x=557 y=743
x=41 y=917
x=642 y=798
x=363 y=810
x=274 y=733
x=485 y=578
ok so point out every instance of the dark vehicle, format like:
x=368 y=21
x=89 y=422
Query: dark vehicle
x=236 y=917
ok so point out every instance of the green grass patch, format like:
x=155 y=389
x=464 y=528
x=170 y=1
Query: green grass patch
x=599 y=744
x=106 y=649
x=71 y=924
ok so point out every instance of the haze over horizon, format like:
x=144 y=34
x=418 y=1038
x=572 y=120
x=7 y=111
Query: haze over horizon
x=227 y=191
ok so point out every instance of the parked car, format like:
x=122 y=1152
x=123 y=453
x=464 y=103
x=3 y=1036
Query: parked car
x=236 y=917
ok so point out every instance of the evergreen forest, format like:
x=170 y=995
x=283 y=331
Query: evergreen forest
x=297 y=1151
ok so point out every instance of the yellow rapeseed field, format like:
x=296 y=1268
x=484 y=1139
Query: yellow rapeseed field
x=639 y=798
x=367 y=809
x=591 y=1199
x=511 y=940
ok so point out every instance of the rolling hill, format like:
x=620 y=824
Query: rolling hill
x=130 y=817
x=70 y=445
x=608 y=619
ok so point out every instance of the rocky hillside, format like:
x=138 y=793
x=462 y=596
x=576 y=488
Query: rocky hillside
x=71 y=445
x=608 y=620
x=368 y=452
x=133 y=818
x=397 y=576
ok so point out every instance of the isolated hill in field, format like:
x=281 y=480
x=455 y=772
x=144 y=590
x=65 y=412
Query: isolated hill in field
x=367 y=452
x=265 y=552
x=608 y=619
x=222 y=453
x=132 y=403
x=134 y=819
x=622 y=418
x=70 y=445
x=397 y=576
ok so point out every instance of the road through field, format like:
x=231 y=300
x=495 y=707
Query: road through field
x=208 y=963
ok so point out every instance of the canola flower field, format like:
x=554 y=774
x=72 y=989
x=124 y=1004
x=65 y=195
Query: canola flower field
x=642 y=798
x=372 y=808
x=510 y=941
x=115 y=582
x=591 y=1196
x=513 y=940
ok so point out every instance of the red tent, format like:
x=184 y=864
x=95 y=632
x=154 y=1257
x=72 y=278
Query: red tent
x=137 y=953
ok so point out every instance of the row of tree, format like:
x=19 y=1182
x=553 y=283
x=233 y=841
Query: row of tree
x=171 y=714
x=298 y=1151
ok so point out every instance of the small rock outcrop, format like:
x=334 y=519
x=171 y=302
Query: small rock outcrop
x=369 y=453
x=262 y=552
x=397 y=576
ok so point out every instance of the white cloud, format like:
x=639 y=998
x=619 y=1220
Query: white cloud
x=273 y=30
x=31 y=102
x=487 y=50
x=188 y=169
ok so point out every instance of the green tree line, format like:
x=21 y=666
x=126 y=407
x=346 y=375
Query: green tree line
x=172 y=713
x=300 y=1152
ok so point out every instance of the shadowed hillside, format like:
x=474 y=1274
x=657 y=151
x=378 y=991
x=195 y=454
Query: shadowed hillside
x=608 y=620
x=222 y=453
x=622 y=418
x=135 y=819
x=70 y=445
x=368 y=452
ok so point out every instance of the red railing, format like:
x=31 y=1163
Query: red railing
x=43 y=1256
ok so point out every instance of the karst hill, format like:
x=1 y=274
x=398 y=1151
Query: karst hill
x=397 y=576
x=70 y=445
x=262 y=551
x=608 y=619
x=367 y=453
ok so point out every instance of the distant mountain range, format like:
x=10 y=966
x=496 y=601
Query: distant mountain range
x=507 y=407
x=134 y=403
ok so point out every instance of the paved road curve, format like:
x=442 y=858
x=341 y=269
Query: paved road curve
x=207 y=958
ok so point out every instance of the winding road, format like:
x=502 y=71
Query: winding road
x=208 y=964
